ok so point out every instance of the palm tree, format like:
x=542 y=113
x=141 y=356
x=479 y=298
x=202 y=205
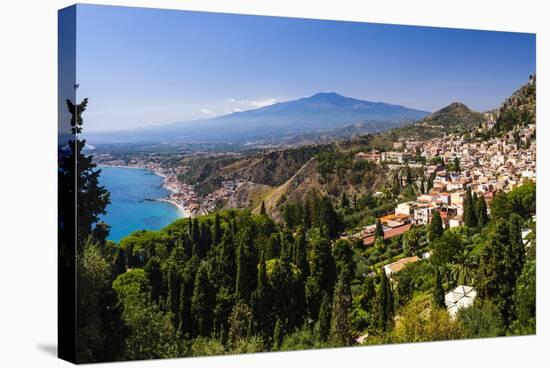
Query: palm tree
x=463 y=269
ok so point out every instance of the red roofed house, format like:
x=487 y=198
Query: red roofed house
x=388 y=234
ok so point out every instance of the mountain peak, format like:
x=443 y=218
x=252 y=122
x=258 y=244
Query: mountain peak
x=326 y=94
x=455 y=114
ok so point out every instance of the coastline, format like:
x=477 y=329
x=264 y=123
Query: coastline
x=182 y=209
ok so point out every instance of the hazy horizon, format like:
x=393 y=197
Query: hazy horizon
x=143 y=67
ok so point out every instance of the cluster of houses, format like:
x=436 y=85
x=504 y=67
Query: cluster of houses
x=486 y=166
x=227 y=189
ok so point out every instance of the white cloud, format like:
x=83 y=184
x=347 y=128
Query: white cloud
x=262 y=103
x=254 y=104
x=208 y=112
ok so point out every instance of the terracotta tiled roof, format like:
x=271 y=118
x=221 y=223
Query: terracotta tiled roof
x=388 y=234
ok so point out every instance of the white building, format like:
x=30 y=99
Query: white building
x=461 y=297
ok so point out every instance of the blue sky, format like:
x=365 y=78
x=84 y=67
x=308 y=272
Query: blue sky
x=147 y=66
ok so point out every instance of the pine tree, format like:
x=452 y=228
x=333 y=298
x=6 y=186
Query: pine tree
x=422 y=186
x=340 y=329
x=435 y=230
x=325 y=314
x=439 y=293
x=202 y=303
x=263 y=211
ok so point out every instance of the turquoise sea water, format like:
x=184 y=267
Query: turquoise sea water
x=129 y=211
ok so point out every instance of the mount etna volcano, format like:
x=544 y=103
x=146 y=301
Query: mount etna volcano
x=322 y=112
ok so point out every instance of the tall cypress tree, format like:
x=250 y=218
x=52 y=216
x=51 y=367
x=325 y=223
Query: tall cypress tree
x=202 y=304
x=278 y=334
x=481 y=212
x=429 y=185
x=340 y=329
x=261 y=305
x=300 y=258
x=227 y=262
x=385 y=303
x=323 y=273
x=306 y=214
x=379 y=231
x=325 y=314
x=196 y=234
x=435 y=230
x=516 y=252
x=328 y=218
x=263 y=211
x=468 y=209
x=205 y=238
x=173 y=303
x=242 y=289
x=154 y=275
x=217 y=236
x=439 y=293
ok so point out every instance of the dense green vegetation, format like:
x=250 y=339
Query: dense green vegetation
x=237 y=282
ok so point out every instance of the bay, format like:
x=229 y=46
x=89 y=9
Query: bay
x=131 y=208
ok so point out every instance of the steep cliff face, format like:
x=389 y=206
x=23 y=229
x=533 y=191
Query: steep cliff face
x=518 y=109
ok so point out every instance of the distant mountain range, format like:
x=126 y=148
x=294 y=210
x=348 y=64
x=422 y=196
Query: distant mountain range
x=322 y=112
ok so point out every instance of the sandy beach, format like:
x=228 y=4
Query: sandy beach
x=184 y=211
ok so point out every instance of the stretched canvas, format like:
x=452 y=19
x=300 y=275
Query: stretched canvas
x=235 y=184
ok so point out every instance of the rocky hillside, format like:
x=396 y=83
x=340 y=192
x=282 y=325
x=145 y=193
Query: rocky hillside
x=518 y=109
x=270 y=168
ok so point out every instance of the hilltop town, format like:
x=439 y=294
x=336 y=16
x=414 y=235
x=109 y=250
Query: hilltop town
x=485 y=166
